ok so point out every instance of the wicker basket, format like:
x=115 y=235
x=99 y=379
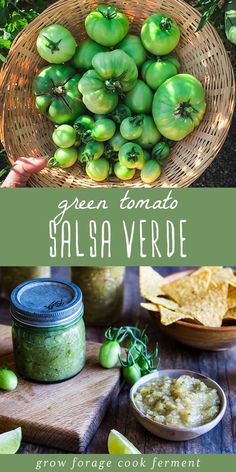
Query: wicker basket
x=27 y=133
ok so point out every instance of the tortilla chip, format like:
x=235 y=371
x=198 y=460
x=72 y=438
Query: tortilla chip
x=185 y=289
x=150 y=282
x=164 y=302
x=230 y=314
x=210 y=309
x=168 y=316
x=231 y=297
x=149 y=307
x=224 y=275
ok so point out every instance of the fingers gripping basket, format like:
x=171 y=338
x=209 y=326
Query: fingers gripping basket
x=27 y=133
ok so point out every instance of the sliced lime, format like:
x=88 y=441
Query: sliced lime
x=119 y=444
x=10 y=441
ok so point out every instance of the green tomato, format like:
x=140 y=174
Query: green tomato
x=114 y=74
x=120 y=113
x=160 y=152
x=132 y=373
x=116 y=141
x=131 y=156
x=64 y=136
x=8 y=380
x=92 y=151
x=122 y=172
x=133 y=46
x=107 y=25
x=98 y=170
x=66 y=157
x=109 y=354
x=132 y=127
x=56 y=44
x=139 y=99
x=147 y=155
x=150 y=172
x=150 y=135
x=80 y=153
x=178 y=106
x=56 y=90
x=103 y=129
x=83 y=123
x=155 y=72
x=85 y=52
x=160 y=34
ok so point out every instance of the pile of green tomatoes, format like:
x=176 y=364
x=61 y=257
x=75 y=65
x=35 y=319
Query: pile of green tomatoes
x=138 y=360
x=117 y=99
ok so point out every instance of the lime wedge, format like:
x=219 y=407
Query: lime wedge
x=10 y=441
x=119 y=444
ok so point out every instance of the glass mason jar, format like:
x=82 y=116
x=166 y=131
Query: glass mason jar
x=13 y=276
x=102 y=289
x=48 y=330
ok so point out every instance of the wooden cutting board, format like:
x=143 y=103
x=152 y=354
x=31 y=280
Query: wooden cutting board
x=63 y=415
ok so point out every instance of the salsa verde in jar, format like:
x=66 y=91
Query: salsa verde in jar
x=48 y=329
x=102 y=289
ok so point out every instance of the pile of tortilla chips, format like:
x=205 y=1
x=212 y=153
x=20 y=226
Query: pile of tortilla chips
x=206 y=296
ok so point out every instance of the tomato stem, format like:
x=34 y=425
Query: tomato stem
x=109 y=13
x=52 y=45
x=185 y=110
x=165 y=24
x=114 y=86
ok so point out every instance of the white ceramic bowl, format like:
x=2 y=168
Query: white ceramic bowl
x=170 y=432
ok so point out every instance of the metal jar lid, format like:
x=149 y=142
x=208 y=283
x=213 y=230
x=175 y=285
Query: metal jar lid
x=46 y=302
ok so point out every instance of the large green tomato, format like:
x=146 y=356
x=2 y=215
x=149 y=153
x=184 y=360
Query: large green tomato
x=150 y=172
x=178 y=106
x=66 y=157
x=64 y=136
x=114 y=74
x=155 y=72
x=139 y=99
x=160 y=34
x=150 y=135
x=98 y=170
x=122 y=172
x=56 y=44
x=56 y=90
x=107 y=25
x=85 y=52
x=131 y=156
x=133 y=46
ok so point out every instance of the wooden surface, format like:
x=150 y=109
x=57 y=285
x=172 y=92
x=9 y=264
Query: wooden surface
x=220 y=366
x=64 y=414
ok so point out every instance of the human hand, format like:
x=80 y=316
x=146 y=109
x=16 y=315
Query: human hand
x=22 y=170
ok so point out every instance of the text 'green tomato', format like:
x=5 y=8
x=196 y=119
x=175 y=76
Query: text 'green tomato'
x=56 y=44
x=160 y=34
x=106 y=25
x=178 y=106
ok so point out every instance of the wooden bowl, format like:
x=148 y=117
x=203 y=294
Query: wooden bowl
x=198 y=336
x=25 y=132
x=172 y=433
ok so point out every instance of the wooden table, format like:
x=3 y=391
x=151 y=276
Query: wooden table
x=221 y=366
